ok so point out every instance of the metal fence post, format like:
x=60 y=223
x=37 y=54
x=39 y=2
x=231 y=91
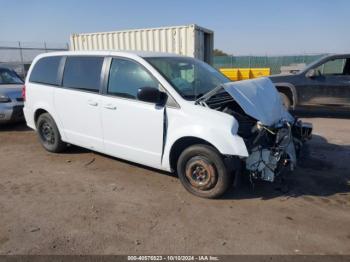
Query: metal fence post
x=21 y=57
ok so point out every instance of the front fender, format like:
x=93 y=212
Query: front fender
x=221 y=132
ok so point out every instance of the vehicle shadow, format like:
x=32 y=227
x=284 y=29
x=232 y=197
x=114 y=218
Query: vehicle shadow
x=323 y=170
x=72 y=150
x=18 y=126
x=322 y=114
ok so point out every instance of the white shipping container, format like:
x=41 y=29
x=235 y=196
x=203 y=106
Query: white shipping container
x=190 y=40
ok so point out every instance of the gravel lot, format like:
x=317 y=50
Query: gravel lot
x=82 y=202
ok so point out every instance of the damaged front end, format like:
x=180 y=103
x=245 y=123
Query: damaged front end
x=271 y=151
x=272 y=136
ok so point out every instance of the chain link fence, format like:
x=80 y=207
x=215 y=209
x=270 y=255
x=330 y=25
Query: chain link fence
x=19 y=55
x=272 y=62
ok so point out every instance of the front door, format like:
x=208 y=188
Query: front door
x=133 y=130
x=330 y=87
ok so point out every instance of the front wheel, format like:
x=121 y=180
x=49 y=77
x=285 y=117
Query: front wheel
x=202 y=171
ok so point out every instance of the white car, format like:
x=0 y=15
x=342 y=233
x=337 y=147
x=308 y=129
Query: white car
x=168 y=112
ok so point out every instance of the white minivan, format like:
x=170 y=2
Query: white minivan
x=165 y=111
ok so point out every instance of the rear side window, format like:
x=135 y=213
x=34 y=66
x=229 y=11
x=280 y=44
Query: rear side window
x=45 y=71
x=8 y=76
x=126 y=77
x=83 y=73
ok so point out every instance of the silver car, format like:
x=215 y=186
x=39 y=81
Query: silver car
x=11 y=100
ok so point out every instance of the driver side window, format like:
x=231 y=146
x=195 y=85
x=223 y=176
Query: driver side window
x=332 y=67
x=126 y=77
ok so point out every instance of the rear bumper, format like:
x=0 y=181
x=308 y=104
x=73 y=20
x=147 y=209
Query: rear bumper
x=11 y=113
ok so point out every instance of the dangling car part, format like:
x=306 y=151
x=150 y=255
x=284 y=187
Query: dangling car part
x=273 y=137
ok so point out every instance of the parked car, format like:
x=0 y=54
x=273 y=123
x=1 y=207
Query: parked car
x=168 y=112
x=11 y=101
x=322 y=84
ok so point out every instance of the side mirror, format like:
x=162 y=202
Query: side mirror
x=151 y=95
x=311 y=73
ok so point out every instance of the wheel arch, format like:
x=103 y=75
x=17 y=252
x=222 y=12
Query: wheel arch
x=181 y=144
x=39 y=112
x=289 y=90
x=41 y=109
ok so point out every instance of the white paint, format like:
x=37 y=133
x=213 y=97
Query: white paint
x=133 y=130
x=79 y=114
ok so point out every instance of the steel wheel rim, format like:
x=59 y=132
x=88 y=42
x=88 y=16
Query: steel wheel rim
x=201 y=173
x=47 y=133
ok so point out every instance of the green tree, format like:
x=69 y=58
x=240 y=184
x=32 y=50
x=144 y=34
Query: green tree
x=218 y=52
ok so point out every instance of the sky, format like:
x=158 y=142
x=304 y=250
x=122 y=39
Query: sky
x=272 y=27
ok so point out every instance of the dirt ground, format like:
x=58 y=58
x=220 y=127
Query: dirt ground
x=82 y=202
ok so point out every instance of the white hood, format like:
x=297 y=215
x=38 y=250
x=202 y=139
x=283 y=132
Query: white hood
x=259 y=99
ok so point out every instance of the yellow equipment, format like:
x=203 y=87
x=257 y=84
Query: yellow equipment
x=236 y=74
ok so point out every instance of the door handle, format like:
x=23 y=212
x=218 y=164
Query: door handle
x=111 y=107
x=92 y=103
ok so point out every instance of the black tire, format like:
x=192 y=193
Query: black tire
x=285 y=101
x=49 y=135
x=202 y=171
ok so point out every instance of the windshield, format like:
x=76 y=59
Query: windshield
x=8 y=77
x=190 y=77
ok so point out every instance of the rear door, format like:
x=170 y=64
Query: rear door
x=133 y=130
x=78 y=101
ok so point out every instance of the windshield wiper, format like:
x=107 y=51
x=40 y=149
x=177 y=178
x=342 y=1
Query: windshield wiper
x=209 y=94
x=194 y=97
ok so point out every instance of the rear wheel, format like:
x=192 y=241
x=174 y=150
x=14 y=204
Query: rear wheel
x=202 y=171
x=285 y=101
x=48 y=134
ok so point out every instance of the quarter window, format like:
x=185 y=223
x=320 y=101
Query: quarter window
x=126 y=77
x=45 y=71
x=83 y=73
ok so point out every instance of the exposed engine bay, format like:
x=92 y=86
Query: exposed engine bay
x=273 y=141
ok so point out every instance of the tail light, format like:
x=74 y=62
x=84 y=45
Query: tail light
x=24 y=92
